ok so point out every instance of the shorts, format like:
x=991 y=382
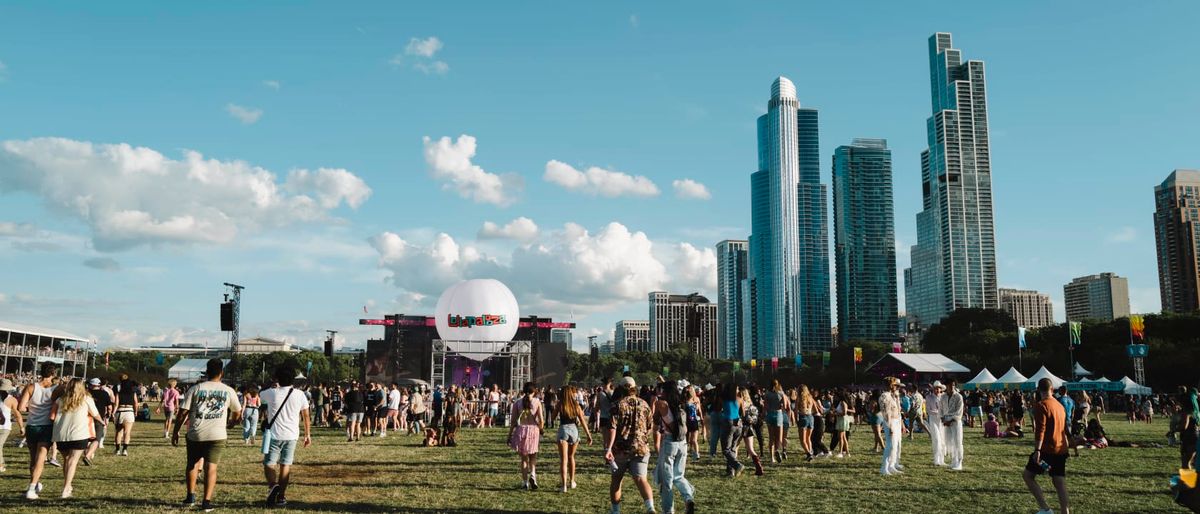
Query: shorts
x=493 y=411
x=169 y=414
x=65 y=446
x=355 y=417
x=693 y=426
x=605 y=423
x=280 y=452
x=636 y=466
x=370 y=413
x=568 y=433
x=39 y=434
x=101 y=427
x=805 y=421
x=1058 y=465
x=977 y=411
x=393 y=412
x=208 y=451
x=125 y=416
x=775 y=418
x=416 y=417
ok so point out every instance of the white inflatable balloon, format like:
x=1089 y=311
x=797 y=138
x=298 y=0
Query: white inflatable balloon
x=477 y=310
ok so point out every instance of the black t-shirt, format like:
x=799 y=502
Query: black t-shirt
x=127 y=392
x=354 y=401
x=372 y=398
x=102 y=399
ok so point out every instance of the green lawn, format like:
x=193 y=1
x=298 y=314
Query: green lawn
x=395 y=475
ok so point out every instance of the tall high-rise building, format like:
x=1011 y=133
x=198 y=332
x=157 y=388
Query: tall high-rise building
x=1177 y=237
x=683 y=320
x=561 y=335
x=632 y=336
x=864 y=233
x=1100 y=297
x=954 y=260
x=1030 y=309
x=732 y=267
x=789 y=242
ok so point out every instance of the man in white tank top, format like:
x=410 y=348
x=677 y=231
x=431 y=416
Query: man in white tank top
x=36 y=400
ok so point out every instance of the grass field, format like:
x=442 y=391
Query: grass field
x=481 y=475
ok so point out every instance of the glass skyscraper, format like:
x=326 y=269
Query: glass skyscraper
x=954 y=260
x=864 y=241
x=1177 y=240
x=732 y=269
x=789 y=242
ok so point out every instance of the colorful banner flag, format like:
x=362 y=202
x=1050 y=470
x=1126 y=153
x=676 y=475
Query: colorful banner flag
x=625 y=368
x=1021 y=337
x=666 y=370
x=799 y=361
x=737 y=365
x=1075 y=328
x=897 y=347
x=825 y=358
x=1137 y=327
x=857 y=355
x=774 y=362
x=753 y=363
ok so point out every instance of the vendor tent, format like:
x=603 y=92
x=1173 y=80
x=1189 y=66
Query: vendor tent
x=1134 y=388
x=1042 y=373
x=1010 y=379
x=190 y=371
x=980 y=381
x=913 y=366
x=1102 y=379
x=1081 y=372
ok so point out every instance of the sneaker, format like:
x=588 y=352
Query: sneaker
x=38 y=488
x=273 y=495
x=87 y=461
x=573 y=485
x=563 y=489
x=782 y=454
x=31 y=493
x=956 y=468
x=207 y=506
x=281 y=501
x=841 y=455
x=188 y=501
x=54 y=462
x=525 y=484
x=690 y=508
x=533 y=482
x=67 y=492
x=899 y=467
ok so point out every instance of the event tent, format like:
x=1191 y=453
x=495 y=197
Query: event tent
x=1042 y=373
x=984 y=378
x=1011 y=379
x=190 y=371
x=912 y=366
x=1132 y=387
x=1081 y=372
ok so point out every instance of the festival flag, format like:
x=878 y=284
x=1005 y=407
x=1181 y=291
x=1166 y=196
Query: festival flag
x=737 y=365
x=666 y=370
x=1021 y=337
x=825 y=358
x=1137 y=327
x=753 y=363
x=897 y=347
x=857 y=355
x=799 y=361
x=1075 y=329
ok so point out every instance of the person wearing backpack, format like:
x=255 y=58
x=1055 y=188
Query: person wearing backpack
x=285 y=409
x=670 y=418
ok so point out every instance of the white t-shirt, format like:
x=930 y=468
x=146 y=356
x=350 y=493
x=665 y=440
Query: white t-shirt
x=287 y=425
x=394 y=399
x=76 y=425
x=209 y=404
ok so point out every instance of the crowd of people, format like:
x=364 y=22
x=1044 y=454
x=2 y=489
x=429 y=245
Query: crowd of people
x=673 y=420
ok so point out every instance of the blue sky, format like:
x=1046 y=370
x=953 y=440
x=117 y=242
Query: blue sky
x=317 y=190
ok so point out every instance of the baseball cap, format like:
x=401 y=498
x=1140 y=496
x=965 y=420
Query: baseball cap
x=628 y=382
x=94 y=382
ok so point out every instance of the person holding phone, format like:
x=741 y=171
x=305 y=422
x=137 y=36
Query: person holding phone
x=1049 y=449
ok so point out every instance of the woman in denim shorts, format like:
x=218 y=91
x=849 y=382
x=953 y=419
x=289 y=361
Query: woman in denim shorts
x=570 y=418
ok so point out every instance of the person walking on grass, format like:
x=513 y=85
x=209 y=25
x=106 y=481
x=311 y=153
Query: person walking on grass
x=207 y=409
x=8 y=411
x=104 y=405
x=37 y=399
x=356 y=408
x=170 y=404
x=775 y=402
x=524 y=433
x=393 y=410
x=1049 y=449
x=416 y=411
x=74 y=428
x=893 y=426
x=952 y=413
x=570 y=418
x=937 y=431
x=127 y=407
x=845 y=418
x=251 y=404
x=285 y=410
x=628 y=450
x=670 y=417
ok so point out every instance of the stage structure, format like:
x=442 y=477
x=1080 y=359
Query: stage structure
x=518 y=353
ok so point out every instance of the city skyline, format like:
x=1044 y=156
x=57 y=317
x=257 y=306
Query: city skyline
x=358 y=209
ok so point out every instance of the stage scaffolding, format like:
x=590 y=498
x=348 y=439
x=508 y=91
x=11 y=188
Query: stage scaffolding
x=518 y=353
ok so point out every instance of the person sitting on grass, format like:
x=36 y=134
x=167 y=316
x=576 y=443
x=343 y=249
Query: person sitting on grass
x=431 y=437
x=1095 y=436
x=991 y=427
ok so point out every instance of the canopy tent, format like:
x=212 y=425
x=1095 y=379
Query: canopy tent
x=1031 y=384
x=1011 y=379
x=190 y=371
x=1102 y=379
x=1134 y=388
x=912 y=366
x=1081 y=372
x=981 y=380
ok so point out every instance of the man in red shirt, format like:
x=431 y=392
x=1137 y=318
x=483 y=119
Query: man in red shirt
x=1049 y=449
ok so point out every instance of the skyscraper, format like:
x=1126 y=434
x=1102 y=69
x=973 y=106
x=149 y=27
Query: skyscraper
x=954 y=260
x=1097 y=297
x=1030 y=309
x=632 y=336
x=688 y=321
x=864 y=241
x=789 y=244
x=1177 y=238
x=732 y=268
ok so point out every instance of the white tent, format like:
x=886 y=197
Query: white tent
x=1132 y=387
x=984 y=378
x=1012 y=377
x=1081 y=372
x=1102 y=379
x=1045 y=373
x=190 y=371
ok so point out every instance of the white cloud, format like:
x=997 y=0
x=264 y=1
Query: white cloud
x=569 y=271
x=520 y=229
x=1122 y=235
x=103 y=264
x=273 y=84
x=432 y=68
x=690 y=189
x=450 y=163
x=423 y=47
x=246 y=115
x=598 y=181
x=131 y=196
